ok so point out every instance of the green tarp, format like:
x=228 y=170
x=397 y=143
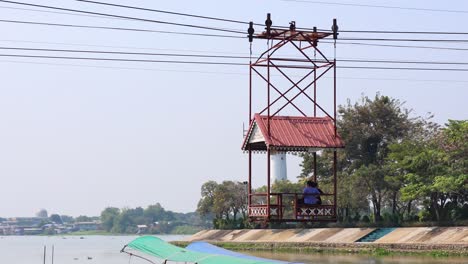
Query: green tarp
x=162 y=250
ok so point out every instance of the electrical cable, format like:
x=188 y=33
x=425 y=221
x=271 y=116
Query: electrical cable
x=405 y=40
x=123 y=17
x=127 y=53
x=399 y=46
x=231 y=36
x=224 y=73
x=223 y=56
x=168 y=12
x=118 y=28
x=378 y=6
x=402 y=68
x=123 y=60
x=111 y=46
x=404 y=32
x=218 y=63
x=235 y=21
x=120 y=67
x=401 y=62
x=202 y=34
x=53 y=12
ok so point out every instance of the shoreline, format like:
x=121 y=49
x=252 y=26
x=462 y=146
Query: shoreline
x=373 y=249
x=422 y=241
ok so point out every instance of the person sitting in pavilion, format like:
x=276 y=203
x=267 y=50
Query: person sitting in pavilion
x=311 y=193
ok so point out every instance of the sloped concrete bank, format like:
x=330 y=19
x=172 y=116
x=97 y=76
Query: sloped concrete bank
x=448 y=239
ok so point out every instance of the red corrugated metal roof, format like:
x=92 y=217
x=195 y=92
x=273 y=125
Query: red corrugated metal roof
x=290 y=133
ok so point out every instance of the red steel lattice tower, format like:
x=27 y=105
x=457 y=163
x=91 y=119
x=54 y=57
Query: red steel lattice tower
x=272 y=132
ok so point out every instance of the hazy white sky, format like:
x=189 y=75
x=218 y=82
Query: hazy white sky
x=78 y=136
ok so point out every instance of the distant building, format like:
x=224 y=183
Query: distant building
x=86 y=226
x=142 y=229
x=32 y=231
x=24 y=221
x=7 y=230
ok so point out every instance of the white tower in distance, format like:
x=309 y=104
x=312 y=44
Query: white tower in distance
x=278 y=166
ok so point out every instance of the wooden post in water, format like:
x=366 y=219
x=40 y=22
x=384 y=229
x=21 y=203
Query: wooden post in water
x=44 y=254
x=52 y=254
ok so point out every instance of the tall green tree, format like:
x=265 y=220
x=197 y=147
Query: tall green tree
x=206 y=202
x=435 y=171
x=367 y=127
x=225 y=202
x=156 y=212
x=108 y=217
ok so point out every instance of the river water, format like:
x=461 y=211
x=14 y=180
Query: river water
x=106 y=250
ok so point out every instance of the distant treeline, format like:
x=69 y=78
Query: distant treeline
x=155 y=219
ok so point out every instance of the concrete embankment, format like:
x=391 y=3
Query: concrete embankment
x=400 y=239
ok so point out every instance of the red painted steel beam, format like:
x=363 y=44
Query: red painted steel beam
x=302 y=91
x=273 y=48
x=303 y=53
x=299 y=60
x=298 y=66
x=282 y=94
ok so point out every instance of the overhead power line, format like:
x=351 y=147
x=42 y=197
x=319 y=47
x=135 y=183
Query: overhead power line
x=118 y=28
x=111 y=46
x=220 y=72
x=218 y=63
x=53 y=12
x=231 y=20
x=123 y=60
x=128 y=53
x=400 y=46
x=168 y=12
x=404 y=40
x=211 y=35
x=228 y=36
x=401 y=61
x=124 y=17
x=402 y=68
x=220 y=56
x=378 y=6
x=404 y=32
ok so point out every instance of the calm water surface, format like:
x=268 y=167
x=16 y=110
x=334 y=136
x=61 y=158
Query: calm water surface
x=106 y=250
x=68 y=249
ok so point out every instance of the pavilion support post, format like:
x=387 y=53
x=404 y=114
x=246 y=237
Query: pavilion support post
x=249 y=194
x=334 y=181
x=268 y=182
